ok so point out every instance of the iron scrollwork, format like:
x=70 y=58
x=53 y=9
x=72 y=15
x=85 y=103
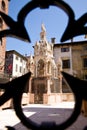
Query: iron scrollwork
x=14 y=89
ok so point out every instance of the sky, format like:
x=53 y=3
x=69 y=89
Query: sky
x=54 y=19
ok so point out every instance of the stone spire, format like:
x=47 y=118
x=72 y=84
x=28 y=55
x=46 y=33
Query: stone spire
x=43 y=33
x=43 y=28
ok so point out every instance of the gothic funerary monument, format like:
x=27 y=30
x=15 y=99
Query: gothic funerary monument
x=44 y=82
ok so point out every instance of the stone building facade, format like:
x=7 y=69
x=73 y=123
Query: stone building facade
x=47 y=85
x=44 y=71
x=15 y=64
x=73 y=57
x=4 y=8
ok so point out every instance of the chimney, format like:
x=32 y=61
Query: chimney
x=53 y=40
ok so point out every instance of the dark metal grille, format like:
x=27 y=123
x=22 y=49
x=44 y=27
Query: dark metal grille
x=15 y=88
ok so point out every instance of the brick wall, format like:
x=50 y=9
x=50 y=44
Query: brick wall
x=3 y=8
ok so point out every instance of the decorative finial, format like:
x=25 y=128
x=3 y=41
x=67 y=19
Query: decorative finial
x=43 y=28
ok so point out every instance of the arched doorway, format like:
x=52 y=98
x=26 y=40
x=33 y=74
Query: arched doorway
x=39 y=91
x=40 y=68
x=39 y=87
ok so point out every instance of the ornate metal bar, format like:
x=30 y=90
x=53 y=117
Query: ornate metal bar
x=14 y=89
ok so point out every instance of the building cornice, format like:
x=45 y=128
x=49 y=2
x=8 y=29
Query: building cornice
x=18 y=54
x=70 y=43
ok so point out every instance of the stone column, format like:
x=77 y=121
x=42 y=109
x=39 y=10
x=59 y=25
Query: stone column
x=30 y=85
x=48 y=86
x=60 y=82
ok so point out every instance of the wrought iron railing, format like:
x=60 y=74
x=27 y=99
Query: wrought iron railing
x=14 y=89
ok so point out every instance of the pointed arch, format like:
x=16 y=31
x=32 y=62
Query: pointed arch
x=3 y=6
x=49 y=67
x=40 y=68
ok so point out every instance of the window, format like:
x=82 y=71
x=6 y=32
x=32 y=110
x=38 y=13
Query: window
x=16 y=69
x=1 y=41
x=66 y=49
x=49 y=67
x=20 y=69
x=85 y=48
x=16 y=57
x=20 y=59
x=24 y=70
x=3 y=5
x=85 y=62
x=65 y=64
x=40 y=67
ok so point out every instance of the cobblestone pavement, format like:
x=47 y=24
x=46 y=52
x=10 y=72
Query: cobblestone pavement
x=41 y=113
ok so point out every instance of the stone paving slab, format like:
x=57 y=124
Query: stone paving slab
x=54 y=114
x=9 y=118
x=40 y=113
